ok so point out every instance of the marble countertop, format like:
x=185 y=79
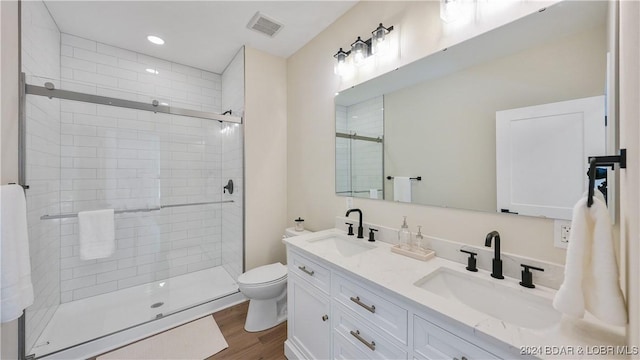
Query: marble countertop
x=398 y=273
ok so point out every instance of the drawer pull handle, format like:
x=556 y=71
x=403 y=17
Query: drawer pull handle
x=326 y=317
x=370 y=345
x=356 y=300
x=304 y=269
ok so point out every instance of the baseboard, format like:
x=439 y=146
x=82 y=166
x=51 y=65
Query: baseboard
x=124 y=337
x=291 y=352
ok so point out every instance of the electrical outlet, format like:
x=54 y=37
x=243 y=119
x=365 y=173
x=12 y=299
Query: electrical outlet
x=564 y=233
x=349 y=203
x=561 y=232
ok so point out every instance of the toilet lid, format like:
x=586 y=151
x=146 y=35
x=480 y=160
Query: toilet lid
x=263 y=274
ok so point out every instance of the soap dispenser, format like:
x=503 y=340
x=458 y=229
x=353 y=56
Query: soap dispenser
x=419 y=244
x=404 y=235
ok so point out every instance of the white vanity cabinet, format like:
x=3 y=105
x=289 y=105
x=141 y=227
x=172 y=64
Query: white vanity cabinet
x=431 y=342
x=334 y=314
x=309 y=307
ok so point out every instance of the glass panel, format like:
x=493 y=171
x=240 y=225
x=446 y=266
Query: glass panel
x=155 y=171
x=366 y=169
x=359 y=158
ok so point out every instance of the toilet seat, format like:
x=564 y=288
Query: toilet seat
x=264 y=275
x=284 y=278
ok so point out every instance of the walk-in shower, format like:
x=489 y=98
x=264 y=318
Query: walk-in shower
x=100 y=131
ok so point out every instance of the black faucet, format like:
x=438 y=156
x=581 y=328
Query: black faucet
x=360 y=228
x=497 y=263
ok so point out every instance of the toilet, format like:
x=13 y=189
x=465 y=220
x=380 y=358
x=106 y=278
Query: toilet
x=266 y=289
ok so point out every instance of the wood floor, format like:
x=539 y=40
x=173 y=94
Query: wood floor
x=264 y=345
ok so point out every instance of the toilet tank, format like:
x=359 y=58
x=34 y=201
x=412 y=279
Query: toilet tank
x=291 y=232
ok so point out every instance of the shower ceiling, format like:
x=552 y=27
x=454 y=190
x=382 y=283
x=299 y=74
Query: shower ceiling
x=203 y=34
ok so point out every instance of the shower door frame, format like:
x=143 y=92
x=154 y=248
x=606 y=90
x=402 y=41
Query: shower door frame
x=49 y=91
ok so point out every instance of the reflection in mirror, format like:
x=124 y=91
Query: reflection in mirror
x=359 y=139
x=440 y=118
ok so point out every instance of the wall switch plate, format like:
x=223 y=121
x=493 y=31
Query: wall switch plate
x=561 y=232
x=349 y=203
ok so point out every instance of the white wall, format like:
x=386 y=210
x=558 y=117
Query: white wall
x=311 y=88
x=265 y=158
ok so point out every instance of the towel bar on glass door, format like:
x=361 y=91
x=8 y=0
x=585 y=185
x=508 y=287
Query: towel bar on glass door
x=595 y=161
x=65 y=216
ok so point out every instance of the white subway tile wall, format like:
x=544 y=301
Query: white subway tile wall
x=359 y=163
x=95 y=68
x=129 y=159
x=233 y=167
x=114 y=158
x=41 y=63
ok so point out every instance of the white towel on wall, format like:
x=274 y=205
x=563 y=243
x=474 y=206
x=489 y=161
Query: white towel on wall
x=373 y=193
x=17 y=289
x=402 y=189
x=97 y=234
x=591 y=280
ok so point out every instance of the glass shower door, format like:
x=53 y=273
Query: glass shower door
x=162 y=175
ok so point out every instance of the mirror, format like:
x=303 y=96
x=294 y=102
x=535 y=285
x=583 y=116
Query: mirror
x=501 y=122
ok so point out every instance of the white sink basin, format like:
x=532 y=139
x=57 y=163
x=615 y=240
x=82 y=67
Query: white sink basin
x=519 y=307
x=345 y=246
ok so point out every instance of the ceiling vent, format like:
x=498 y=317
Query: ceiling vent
x=265 y=25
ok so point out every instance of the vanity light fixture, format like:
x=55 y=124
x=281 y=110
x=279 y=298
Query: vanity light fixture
x=155 y=40
x=454 y=10
x=378 y=43
x=362 y=49
x=152 y=71
x=341 y=64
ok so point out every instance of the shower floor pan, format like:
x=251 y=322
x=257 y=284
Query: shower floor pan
x=79 y=321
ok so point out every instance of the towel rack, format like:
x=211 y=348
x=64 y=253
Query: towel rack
x=73 y=215
x=418 y=178
x=595 y=161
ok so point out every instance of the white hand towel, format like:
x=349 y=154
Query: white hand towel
x=17 y=290
x=97 y=234
x=373 y=193
x=591 y=279
x=402 y=189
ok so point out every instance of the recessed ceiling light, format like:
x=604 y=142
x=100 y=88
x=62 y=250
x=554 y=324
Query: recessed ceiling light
x=156 y=40
x=152 y=71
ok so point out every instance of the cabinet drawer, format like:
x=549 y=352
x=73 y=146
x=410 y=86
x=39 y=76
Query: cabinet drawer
x=432 y=342
x=344 y=350
x=390 y=318
x=316 y=274
x=363 y=337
